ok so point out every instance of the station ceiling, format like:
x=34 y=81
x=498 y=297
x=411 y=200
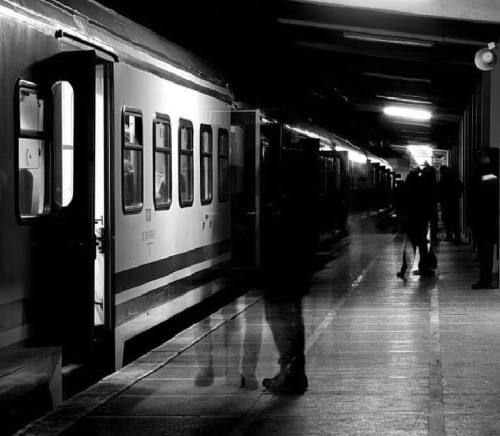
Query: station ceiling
x=332 y=64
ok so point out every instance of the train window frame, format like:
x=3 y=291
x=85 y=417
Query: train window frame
x=40 y=135
x=223 y=194
x=127 y=110
x=186 y=124
x=206 y=128
x=163 y=119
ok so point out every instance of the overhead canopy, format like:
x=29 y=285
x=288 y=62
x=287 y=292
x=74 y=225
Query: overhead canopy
x=476 y=10
x=386 y=52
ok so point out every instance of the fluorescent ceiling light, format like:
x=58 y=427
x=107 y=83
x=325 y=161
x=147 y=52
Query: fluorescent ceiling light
x=421 y=153
x=403 y=100
x=387 y=39
x=394 y=77
x=409 y=113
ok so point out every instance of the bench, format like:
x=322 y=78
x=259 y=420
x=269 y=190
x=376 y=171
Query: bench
x=28 y=378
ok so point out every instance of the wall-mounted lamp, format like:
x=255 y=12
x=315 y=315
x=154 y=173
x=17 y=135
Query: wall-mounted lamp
x=486 y=58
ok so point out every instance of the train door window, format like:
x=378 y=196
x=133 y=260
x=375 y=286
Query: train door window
x=32 y=159
x=63 y=119
x=162 y=162
x=185 y=142
x=206 y=163
x=132 y=160
x=223 y=150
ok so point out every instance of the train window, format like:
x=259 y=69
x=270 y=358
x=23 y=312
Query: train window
x=206 y=164
x=162 y=162
x=63 y=118
x=32 y=176
x=132 y=161
x=31 y=110
x=223 y=149
x=185 y=163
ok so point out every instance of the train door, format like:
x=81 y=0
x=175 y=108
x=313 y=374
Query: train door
x=245 y=200
x=75 y=256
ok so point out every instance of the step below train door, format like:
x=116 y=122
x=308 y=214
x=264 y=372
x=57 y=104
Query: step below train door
x=74 y=235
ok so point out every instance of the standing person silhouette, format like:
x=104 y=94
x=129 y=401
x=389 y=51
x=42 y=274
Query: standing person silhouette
x=484 y=215
x=450 y=191
x=415 y=220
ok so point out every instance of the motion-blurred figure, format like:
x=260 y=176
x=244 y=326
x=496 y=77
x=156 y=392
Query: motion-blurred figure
x=288 y=276
x=484 y=214
x=430 y=199
x=414 y=222
x=450 y=191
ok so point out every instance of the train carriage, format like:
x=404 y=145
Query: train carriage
x=114 y=173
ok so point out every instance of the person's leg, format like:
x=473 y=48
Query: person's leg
x=287 y=326
x=485 y=249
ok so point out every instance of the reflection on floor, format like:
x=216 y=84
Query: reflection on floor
x=383 y=357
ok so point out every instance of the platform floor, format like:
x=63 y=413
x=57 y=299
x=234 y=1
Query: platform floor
x=384 y=357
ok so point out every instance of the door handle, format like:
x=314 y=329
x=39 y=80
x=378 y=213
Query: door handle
x=100 y=239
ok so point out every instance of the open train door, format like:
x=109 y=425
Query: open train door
x=73 y=250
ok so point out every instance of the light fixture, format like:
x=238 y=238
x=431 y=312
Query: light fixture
x=421 y=153
x=394 y=77
x=403 y=100
x=408 y=113
x=387 y=39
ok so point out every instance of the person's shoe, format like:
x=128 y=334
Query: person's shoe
x=205 y=377
x=481 y=285
x=249 y=381
x=286 y=383
x=401 y=275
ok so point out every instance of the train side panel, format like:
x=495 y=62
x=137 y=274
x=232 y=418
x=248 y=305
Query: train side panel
x=166 y=260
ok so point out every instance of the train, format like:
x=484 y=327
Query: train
x=130 y=180
x=269 y=155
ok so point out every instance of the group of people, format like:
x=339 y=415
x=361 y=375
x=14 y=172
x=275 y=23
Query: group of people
x=417 y=203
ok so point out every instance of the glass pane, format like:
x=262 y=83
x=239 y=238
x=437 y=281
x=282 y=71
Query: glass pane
x=31 y=177
x=63 y=99
x=206 y=178
x=162 y=135
x=186 y=138
x=132 y=178
x=223 y=143
x=162 y=179
x=223 y=179
x=133 y=129
x=206 y=141
x=30 y=110
x=186 y=179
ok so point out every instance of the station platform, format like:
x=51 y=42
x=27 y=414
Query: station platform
x=383 y=357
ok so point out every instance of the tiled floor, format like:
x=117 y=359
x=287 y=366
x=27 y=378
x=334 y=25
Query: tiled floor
x=383 y=357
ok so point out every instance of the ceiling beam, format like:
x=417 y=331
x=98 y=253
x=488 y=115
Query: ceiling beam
x=477 y=10
x=380 y=32
x=422 y=56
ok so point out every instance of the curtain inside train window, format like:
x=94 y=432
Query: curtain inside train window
x=206 y=175
x=162 y=159
x=132 y=179
x=63 y=142
x=32 y=176
x=186 y=171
